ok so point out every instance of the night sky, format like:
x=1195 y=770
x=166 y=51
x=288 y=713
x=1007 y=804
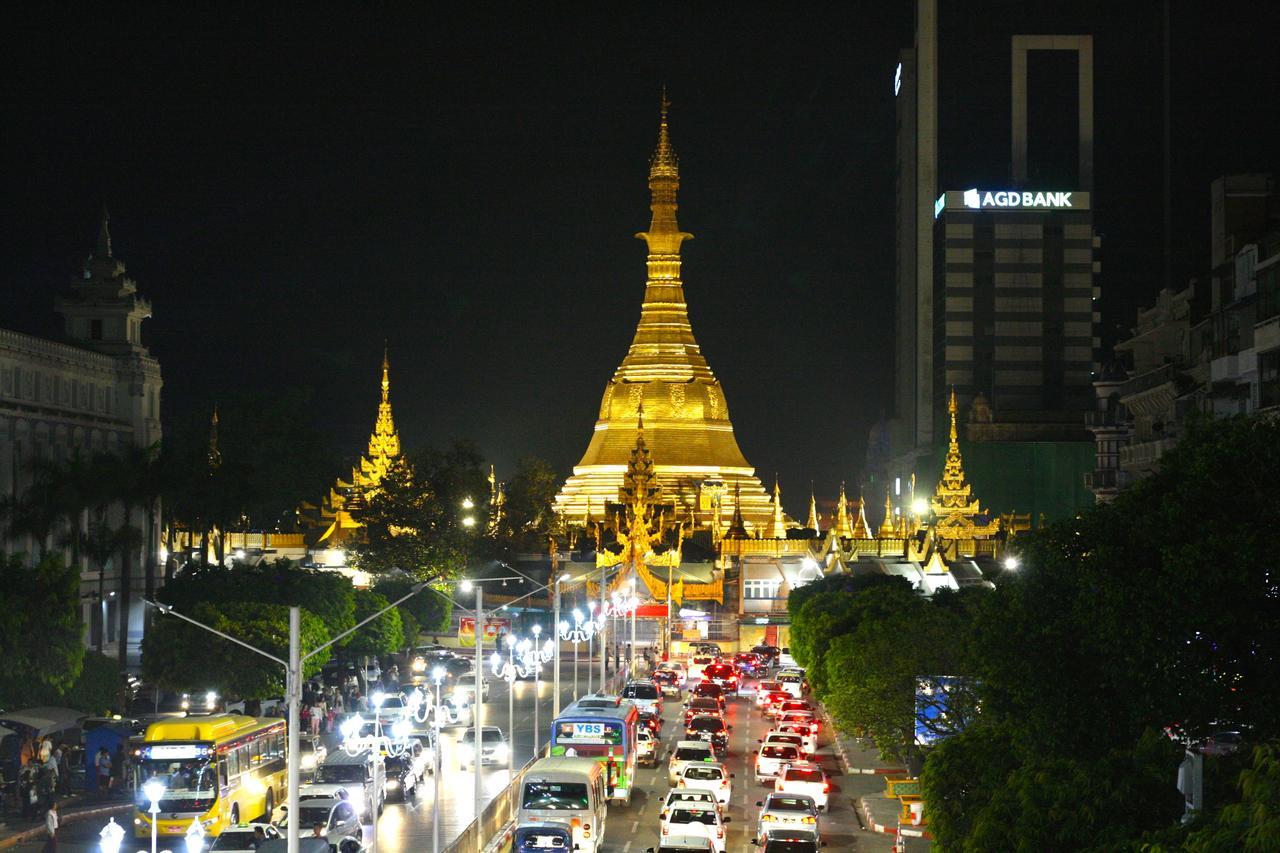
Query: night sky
x=290 y=191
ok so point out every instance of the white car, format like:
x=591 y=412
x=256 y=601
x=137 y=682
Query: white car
x=763 y=689
x=690 y=819
x=771 y=759
x=242 y=838
x=786 y=811
x=678 y=668
x=311 y=752
x=646 y=747
x=776 y=738
x=804 y=777
x=793 y=684
x=696 y=796
x=809 y=738
x=686 y=752
x=798 y=718
x=645 y=695
x=697 y=664
x=337 y=818
x=683 y=844
x=493 y=747
x=715 y=778
x=785 y=658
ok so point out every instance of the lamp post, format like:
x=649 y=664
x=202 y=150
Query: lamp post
x=537 y=688
x=111 y=836
x=153 y=790
x=195 y=837
x=437 y=675
x=293 y=687
x=591 y=642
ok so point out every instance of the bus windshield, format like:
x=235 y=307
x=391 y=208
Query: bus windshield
x=190 y=785
x=555 y=796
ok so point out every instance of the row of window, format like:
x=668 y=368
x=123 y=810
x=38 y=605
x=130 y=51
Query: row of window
x=20 y=383
x=758 y=589
x=248 y=756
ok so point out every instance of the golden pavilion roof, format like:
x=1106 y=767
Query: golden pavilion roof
x=665 y=374
x=957 y=511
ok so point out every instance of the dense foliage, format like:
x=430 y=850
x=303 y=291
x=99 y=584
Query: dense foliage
x=41 y=641
x=383 y=635
x=1158 y=612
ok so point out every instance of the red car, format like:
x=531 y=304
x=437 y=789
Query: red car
x=701 y=705
x=773 y=701
x=722 y=674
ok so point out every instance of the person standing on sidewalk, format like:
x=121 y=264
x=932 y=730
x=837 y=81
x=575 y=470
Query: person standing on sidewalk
x=51 y=827
x=102 y=764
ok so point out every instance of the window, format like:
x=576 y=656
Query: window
x=757 y=589
x=95 y=330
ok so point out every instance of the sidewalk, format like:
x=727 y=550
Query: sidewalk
x=14 y=830
x=867 y=772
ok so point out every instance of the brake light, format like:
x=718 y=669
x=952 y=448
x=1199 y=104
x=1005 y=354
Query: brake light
x=666 y=830
x=826 y=786
x=719 y=832
x=586 y=830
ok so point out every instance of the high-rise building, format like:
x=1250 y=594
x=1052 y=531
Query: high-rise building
x=664 y=374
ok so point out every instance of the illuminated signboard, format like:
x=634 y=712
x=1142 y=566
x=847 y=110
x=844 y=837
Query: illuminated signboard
x=175 y=751
x=1009 y=200
x=581 y=731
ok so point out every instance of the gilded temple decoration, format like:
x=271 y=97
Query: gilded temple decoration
x=958 y=513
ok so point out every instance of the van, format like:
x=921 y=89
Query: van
x=341 y=771
x=566 y=791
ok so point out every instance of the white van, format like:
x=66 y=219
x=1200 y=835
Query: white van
x=567 y=791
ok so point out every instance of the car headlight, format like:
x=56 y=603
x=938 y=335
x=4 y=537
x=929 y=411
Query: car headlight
x=392 y=784
x=500 y=752
x=356 y=798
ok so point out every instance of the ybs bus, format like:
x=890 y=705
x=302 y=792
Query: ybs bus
x=220 y=770
x=604 y=729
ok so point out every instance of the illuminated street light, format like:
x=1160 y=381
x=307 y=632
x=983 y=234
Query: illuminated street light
x=195 y=837
x=920 y=507
x=112 y=834
x=1011 y=562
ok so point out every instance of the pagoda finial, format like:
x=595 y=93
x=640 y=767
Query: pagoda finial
x=664 y=235
x=779 y=528
x=664 y=162
x=104 y=235
x=386 y=374
x=737 y=526
x=843 y=527
x=813 y=510
x=640 y=417
x=215 y=455
x=887 y=530
x=952 y=408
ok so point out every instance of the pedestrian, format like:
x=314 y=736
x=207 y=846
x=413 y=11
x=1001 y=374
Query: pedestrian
x=102 y=764
x=29 y=791
x=314 y=718
x=64 y=771
x=51 y=827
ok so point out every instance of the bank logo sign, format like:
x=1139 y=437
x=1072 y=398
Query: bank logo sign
x=1038 y=200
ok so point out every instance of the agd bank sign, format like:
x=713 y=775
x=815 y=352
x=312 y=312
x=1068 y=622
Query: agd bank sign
x=976 y=199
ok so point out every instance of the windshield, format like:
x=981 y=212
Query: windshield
x=780 y=752
x=640 y=691
x=234 y=839
x=706 y=703
x=768 y=687
x=706 y=724
x=555 y=796
x=706 y=817
x=794 y=775
x=788 y=804
x=791 y=739
x=336 y=774
x=486 y=736
x=309 y=816
x=687 y=753
x=703 y=774
x=190 y=785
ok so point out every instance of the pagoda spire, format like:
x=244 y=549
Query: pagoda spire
x=954 y=505
x=813 y=511
x=214 y=455
x=384 y=441
x=843 y=528
x=779 y=528
x=103 y=249
x=887 y=530
x=737 y=526
x=861 y=529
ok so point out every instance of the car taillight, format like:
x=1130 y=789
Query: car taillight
x=826 y=786
x=719 y=832
x=809 y=819
x=666 y=830
x=586 y=830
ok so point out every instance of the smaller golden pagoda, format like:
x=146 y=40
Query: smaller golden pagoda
x=887 y=528
x=957 y=513
x=778 y=529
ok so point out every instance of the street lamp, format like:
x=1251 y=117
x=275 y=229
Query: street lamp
x=153 y=790
x=112 y=834
x=437 y=675
x=195 y=837
x=293 y=688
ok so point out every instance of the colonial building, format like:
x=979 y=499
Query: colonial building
x=95 y=390
x=698 y=463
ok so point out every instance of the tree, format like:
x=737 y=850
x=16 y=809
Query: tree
x=383 y=635
x=410 y=528
x=40 y=631
x=179 y=656
x=425 y=611
x=528 y=515
x=1252 y=823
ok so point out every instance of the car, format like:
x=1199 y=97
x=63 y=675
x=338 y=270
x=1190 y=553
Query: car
x=809 y=739
x=645 y=695
x=773 y=702
x=338 y=818
x=793 y=684
x=705 y=648
x=749 y=664
x=703 y=796
x=647 y=745
x=712 y=777
x=784 y=738
x=494 y=748
x=683 y=844
x=652 y=722
x=785 y=658
x=764 y=688
x=687 y=751
x=786 y=811
x=1221 y=743
x=691 y=819
x=724 y=675
x=682 y=674
x=709 y=688
x=804 y=777
x=392 y=708
x=697 y=664
x=768 y=653
x=711 y=728
x=463 y=688
x=799 y=705
x=702 y=705
x=242 y=838
x=771 y=759
x=789 y=841
x=405 y=771
x=311 y=752
x=668 y=681
x=353 y=774
x=798 y=718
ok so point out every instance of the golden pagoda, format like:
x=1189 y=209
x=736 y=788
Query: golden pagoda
x=958 y=514
x=665 y=372
x=332 y=519
x=887 y=528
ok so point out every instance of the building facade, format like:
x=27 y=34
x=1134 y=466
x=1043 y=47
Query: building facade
x=95 y=391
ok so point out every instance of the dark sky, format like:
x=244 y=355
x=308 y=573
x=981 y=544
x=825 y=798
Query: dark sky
x=290 y=191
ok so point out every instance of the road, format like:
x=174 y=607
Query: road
x=406 y=827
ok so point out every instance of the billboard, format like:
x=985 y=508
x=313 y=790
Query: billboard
x=493 y=630
x=944 y=705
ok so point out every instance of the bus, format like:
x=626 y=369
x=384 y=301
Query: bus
x=605 y=730
x=221 y=770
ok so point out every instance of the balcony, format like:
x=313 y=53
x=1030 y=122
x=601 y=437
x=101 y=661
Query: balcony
x=1145 y=454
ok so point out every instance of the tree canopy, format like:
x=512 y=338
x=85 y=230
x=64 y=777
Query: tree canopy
x=41 y=636
x=383 y=635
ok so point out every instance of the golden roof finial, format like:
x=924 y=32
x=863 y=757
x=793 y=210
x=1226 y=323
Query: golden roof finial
x=215 y=455
x=737 y=525
x=844 y=528
x=664 y=162
x=951 y=408
x=814 y=523
x=384 y=442
x=887 y=530
x=779 y=530
x=386 y=375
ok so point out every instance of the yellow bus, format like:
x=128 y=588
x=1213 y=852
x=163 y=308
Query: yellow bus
x=220 y=770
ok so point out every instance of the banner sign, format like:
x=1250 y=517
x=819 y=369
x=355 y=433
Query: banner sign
x=493 y=630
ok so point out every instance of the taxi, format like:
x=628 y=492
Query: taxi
x=804 y=777
x=688 y=751
x=690 y=819
x=772 y=758
x=715 y=778
x=676 y=796
x=786 y=811
x=764 y=688
x=809 y=740
x=646 y=747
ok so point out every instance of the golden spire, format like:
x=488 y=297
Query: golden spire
x=384 y=441
x=953 y=504
x=843 y=528
x=215 y=455
x=887 y=530
x=779 y=530
x=861 y=529
x=813 y=511
x=737 y=526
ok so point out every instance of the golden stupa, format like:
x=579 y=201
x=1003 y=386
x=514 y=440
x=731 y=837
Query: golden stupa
x=698 y=463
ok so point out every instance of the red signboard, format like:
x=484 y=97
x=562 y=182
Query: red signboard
x=652 y=611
